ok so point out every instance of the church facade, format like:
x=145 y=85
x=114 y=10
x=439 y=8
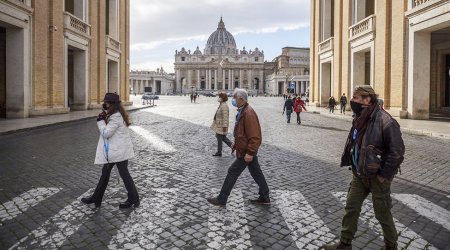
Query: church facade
x=221 y=66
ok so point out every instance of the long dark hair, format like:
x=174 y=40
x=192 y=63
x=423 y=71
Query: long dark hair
x=117 y=107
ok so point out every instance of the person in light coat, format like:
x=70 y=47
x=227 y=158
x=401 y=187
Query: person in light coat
x=114 y=148
x=220 y=123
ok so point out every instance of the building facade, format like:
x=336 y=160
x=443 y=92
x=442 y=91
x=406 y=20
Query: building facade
x=61 y=55
x=221 y=66
x=158 y=82
x=290 y=72
x=401 y=48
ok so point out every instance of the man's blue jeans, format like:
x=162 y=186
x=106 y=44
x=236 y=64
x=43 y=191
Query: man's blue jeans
x=343 y=108
x=288 y=115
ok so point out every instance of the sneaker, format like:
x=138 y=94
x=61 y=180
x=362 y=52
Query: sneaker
x=337 y=246
x=215 y=202
x=261 y=201
x=217 y=154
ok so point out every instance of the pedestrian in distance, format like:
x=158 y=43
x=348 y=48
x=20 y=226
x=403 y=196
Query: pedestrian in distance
x=221 y=122
x=331 y=104
x=299 y=105
x=192 y=97
x=288 y=107
x=114 y=148
x=247 y=140
x=343 y=102
x=195 y=97
x=374 y=150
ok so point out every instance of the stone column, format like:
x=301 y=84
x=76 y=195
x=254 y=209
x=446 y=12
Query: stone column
x=240 y=78
x=229 y=79
x=198 y=79
x=261 y=81
x=189 y=81
x=215 y=79
x=232 y=80
x=249 y=80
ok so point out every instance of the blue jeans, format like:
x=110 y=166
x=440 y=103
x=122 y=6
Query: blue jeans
x=288 y=115
x=343 y=108
x=235 y=171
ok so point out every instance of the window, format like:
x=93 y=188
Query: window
x=183 y=58
x=256 y=59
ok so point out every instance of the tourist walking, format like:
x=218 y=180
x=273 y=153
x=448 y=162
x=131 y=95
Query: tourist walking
x=331 y=104
x=192 y=97
x=220 y=123
x=247 y=140
x=195 y=97
x=374 y=150
x=288 y=107
x=343 y=102
x=299 y=105
x=114 y=148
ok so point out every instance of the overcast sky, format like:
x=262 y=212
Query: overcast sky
x=159 y=27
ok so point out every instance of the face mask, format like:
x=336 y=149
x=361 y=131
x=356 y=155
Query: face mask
x=356 y=107
x=219 y=99
x=233 y=102
x=104 y=106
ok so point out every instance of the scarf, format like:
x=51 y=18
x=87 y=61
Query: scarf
x=361 y=121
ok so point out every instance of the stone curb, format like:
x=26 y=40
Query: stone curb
x=404 y=130
x=61 y=123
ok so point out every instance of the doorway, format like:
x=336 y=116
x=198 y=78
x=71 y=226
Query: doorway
x=76 y=79
x=113 y=77
x=447 y=81
x=325 y=83
x=2 y=73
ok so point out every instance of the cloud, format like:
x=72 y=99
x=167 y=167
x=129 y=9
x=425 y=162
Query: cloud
x=171 y=24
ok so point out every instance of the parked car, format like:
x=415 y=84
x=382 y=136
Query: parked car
x=209 y=94
x=150 y=96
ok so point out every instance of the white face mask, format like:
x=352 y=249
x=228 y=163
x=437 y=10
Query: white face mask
x=219 y=99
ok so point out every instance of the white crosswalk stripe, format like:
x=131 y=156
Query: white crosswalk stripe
x=228 y=226
x=144 y=225
x=407 y=238
x=426 y=208
x=53 y=232
x=10 y=209
x=154 y=141
x=307 y=229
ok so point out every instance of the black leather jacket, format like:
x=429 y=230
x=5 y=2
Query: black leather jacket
x=382 y=148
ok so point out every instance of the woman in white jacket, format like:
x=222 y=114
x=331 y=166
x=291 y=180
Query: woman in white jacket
x=114 y=148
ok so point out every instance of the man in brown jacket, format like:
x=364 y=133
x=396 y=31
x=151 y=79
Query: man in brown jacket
x=247 y=139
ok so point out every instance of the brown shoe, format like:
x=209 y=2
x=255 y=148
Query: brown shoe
x=339 y=245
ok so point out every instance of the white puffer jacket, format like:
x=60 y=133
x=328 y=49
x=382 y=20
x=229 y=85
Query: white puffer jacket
x=114 y=136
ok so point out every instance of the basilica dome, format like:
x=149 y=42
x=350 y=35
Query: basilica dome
x=221 y=41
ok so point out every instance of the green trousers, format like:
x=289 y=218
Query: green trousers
x=382 y=204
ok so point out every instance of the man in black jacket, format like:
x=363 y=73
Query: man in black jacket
x=374 y=150
x=343 y=102
x=288 y=107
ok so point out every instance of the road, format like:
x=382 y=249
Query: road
x=44 y=173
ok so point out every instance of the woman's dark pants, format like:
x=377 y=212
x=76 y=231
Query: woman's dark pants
x=220 y=139
x=124 y=174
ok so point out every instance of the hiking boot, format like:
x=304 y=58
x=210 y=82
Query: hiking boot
x=337 y=246
x=215 y=202
x=261 y=201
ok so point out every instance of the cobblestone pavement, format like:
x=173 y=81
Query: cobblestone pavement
x=45 y=172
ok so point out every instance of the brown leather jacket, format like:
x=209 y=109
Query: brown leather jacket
x=247 y=133
x=382 y=148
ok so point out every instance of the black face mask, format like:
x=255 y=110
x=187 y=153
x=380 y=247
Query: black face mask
x=356 y=107
x=105 y=108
